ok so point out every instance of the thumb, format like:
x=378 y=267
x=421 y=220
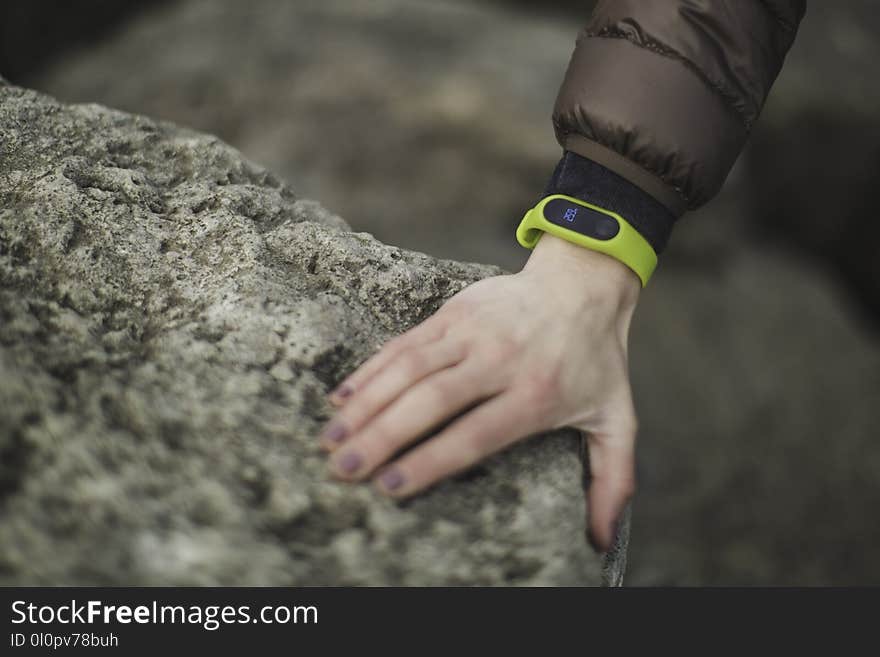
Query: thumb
x=612 y=483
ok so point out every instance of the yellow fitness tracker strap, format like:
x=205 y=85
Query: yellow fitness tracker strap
x=589 y=226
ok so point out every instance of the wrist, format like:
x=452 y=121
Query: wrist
x=590 y=271
x=581 y=178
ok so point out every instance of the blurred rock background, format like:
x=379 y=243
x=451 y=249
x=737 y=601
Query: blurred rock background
x=755 y=351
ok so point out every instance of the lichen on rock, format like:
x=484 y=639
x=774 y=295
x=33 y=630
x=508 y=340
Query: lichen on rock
x=171 y=317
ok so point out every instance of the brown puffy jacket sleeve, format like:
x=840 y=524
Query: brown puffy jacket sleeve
x=664 y=93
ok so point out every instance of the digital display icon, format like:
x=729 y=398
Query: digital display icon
x=581 y=219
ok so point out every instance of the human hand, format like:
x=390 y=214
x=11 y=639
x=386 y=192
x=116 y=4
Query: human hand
x=521 y=353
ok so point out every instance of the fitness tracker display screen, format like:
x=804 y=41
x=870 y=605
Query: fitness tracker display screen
x=581 y=219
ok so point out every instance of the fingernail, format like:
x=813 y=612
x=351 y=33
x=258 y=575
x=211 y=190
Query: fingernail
x=333 y=432
x=594 y=542
x=349 y=462
x=391 y=479
x=342 y=392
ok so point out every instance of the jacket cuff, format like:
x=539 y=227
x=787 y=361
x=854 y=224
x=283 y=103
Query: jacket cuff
x=589 y=181
x=653 y=110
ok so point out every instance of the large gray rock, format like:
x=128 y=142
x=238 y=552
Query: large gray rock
x=171 y=316
x=410 y=118
x=754 y=378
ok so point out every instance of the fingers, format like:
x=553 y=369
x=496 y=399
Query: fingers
x=413 y=414
x=488 y=428
x=428 y=331
x=612 y=485
x=402 y=372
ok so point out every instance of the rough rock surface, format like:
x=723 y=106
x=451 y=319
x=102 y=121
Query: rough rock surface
x=400 y=115
x=755 y=379
x=170 y=319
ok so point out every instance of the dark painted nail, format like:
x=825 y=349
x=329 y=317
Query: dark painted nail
x=391 y=479
x=343 y=392
x=333 y=432
x=349 y=462
x=594 y=542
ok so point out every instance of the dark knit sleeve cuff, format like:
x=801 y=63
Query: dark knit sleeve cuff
x=591 y=182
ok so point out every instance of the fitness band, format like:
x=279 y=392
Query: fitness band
x=589 y=226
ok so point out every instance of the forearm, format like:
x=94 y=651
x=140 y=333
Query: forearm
x=665 y=93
